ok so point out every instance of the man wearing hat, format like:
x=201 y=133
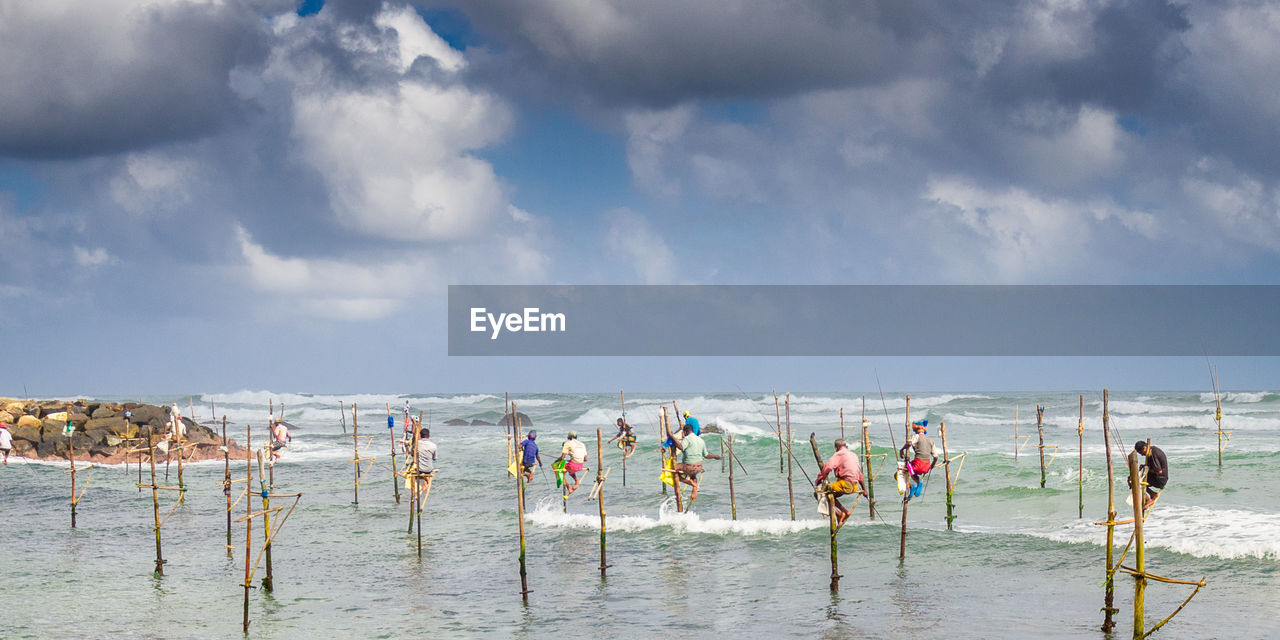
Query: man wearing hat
x=923 y=460
x=530 y=456
x=577 y=453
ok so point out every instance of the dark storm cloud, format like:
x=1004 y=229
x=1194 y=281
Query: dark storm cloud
x=83 y=80
x=1123 y=58
x=666 y=52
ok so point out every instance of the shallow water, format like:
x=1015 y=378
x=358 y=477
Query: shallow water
x=1019 y=563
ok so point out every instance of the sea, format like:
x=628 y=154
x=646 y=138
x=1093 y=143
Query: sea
x=1021 y=560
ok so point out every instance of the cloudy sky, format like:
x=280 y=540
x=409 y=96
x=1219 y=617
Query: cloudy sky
x=209 y=196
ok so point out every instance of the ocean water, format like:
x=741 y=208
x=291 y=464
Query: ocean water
x=1020 y=562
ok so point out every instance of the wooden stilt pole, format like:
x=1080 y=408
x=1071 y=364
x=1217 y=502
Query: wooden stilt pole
x=1140 y=580
x=902 y=540
x=268 y=581
x=733 y=502
x=71 y=456
x=842 y=423
x=412 y=477
x=722 y=456
x=675 y=476
x=777 y=408
x=182 y=443
x=791 y=493
x=355 y=443
x=946 y=464
x=417 y=439
x=1080 y=432
x=1108 y=601
x=1040 y=429
x=226 y=479
x=1217 y=412
x=600 y=495
x=155 y=505
x=248 y=523
x=342 y=413
x=622 y=397
x=866 y=462
x=831 y=515
x=524 y=581
x=1015 y=433
x=395 y=473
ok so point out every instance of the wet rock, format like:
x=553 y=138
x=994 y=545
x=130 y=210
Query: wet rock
x=456 y=422
x=481 y=423
x=149 y=414
x=521 y=417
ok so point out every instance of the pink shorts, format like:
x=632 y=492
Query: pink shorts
x=573 y=467
x=917 y=466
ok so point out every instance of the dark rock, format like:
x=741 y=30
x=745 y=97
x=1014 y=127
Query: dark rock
x=456 y=422
x=523 y=419
x=130 y=406
x=149 y=414
x=25 y=432
x=711 y=428
x=51 y=430
x=102 y=412
x=48 y=448
x=481 y=423
x=79 y=419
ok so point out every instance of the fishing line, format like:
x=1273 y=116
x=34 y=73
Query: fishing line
x=887 y=421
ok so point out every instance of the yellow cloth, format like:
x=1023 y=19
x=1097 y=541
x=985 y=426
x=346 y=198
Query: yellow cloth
x=841 y=487
x=667 y=477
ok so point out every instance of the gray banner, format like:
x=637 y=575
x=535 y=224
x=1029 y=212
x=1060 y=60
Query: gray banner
x=856 y=320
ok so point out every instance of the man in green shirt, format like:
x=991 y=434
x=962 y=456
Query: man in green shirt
x=692 y=452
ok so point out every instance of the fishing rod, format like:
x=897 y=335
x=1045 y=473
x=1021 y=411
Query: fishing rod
x=887 y=421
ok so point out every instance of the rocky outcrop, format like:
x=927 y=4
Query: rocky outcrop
x=481 y=423
x=103 y=432
x=456 y=422
x=523 y=419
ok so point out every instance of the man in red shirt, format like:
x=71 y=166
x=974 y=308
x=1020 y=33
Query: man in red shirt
x=843 y=465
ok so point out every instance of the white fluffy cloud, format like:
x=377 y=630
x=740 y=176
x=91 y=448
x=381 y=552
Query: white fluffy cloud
x=397 y=157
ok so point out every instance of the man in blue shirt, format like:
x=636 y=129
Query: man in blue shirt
x=530 y=449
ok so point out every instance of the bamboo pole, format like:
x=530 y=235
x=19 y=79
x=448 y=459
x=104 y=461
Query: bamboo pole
x=524 y=582
x=778 y=411
x=417 y=493
x=248 y=522
x=268 y=581
x=395 y=473
x=623 y=398
x=831 y=515
x=1108 y=607
x=600 y=495
x=412 y=479
x=866 y=456
x=226 y=479
x=1015 y=433
x=1140 y=580
x=71 y=456
x=182 y=441
x=946 y=464
x=841 y=423
x=155 y=505
x=902 y=540
x=662 y=450
x=675 y=479
x=1040 y=429
x=733 y=503
x=1080 y=432
x=1217 y=413
x=342 y=413
x=355 y=443
x=791 y=494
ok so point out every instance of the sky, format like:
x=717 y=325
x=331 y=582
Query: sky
x=206 y=196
